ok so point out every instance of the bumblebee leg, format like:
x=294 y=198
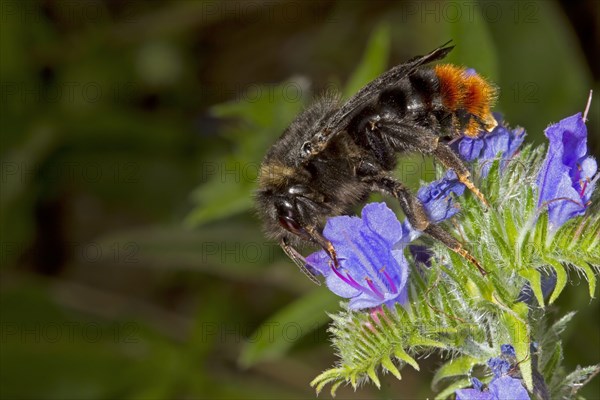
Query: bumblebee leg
x=415 y=212
x=412 y=207
x=436 y=232
x=298 y=259
x=403 y=136
x=451 y=160
x=322 y=241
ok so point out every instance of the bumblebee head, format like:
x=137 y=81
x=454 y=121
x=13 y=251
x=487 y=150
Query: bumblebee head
x=292 y=211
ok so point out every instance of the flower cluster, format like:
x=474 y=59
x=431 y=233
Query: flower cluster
x=502 y=385
x=373 y=269
x=527 y=262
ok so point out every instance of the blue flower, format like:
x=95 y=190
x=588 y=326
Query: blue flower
x=566 y=181
x=502 y=141
x=438 y=200
x=371 y=272
x=502 y=386
x=508 y=350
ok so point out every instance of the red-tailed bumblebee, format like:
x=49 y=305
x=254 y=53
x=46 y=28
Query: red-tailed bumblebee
x=334 y=155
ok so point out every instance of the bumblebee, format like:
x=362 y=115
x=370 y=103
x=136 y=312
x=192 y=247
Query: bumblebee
x=334 y=155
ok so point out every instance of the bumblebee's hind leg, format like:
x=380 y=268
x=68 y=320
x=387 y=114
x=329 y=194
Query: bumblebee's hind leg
x=416 y=215
x=436 y=232
x=451 y=160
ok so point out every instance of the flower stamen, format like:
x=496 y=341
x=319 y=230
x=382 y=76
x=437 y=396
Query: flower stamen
x=347 y=279
x=374 y=288
x=390 y=280
x=583 y=186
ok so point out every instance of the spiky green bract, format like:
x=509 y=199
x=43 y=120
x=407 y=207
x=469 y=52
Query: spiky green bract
x=465 y=316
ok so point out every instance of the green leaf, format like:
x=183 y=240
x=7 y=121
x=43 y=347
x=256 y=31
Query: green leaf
x=518 y=331
x=449 y=390
x=402 y=355
x=553 y=362
x=574 y=381
x=456 y=367
x=373 y=375
x=275 y=336
x=326 y=377
x=559 y=326
x=534 y=277
x=509 y=226
x=231 y=203
x=388 y=364
x=591 y=278
x=541 y=231
x=374 y=61
x=561 y=279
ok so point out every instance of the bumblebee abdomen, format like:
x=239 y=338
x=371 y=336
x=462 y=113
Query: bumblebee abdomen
x=414 y=97
x=468 y=96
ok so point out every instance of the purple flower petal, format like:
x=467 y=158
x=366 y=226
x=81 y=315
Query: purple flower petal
x=498 y=366
x=437 y=197
x=566 y=179
x=508 y=350
x=473 y=394
x=438 y=200
x=469 y=148
x=506 y=388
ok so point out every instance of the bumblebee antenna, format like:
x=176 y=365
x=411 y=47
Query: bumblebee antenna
x=299 y=260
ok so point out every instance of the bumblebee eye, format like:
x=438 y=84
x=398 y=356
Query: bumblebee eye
x=291 y=225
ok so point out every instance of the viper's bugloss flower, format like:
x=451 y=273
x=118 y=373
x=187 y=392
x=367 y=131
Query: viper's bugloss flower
x=438 y=200
x=502 y=386
x=502 y=142
x=372 y=271
x=566 y=180
x=437 y=197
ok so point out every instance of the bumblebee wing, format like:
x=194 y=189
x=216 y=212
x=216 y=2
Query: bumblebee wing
x=388 y=78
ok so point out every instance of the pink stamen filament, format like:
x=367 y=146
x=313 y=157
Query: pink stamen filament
x=347 y=280
x=583 y=187
x=374 y=288
x=350 y=281
x=390 y=280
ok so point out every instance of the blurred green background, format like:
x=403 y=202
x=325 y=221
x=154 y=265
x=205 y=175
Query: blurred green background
x=132 y=263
